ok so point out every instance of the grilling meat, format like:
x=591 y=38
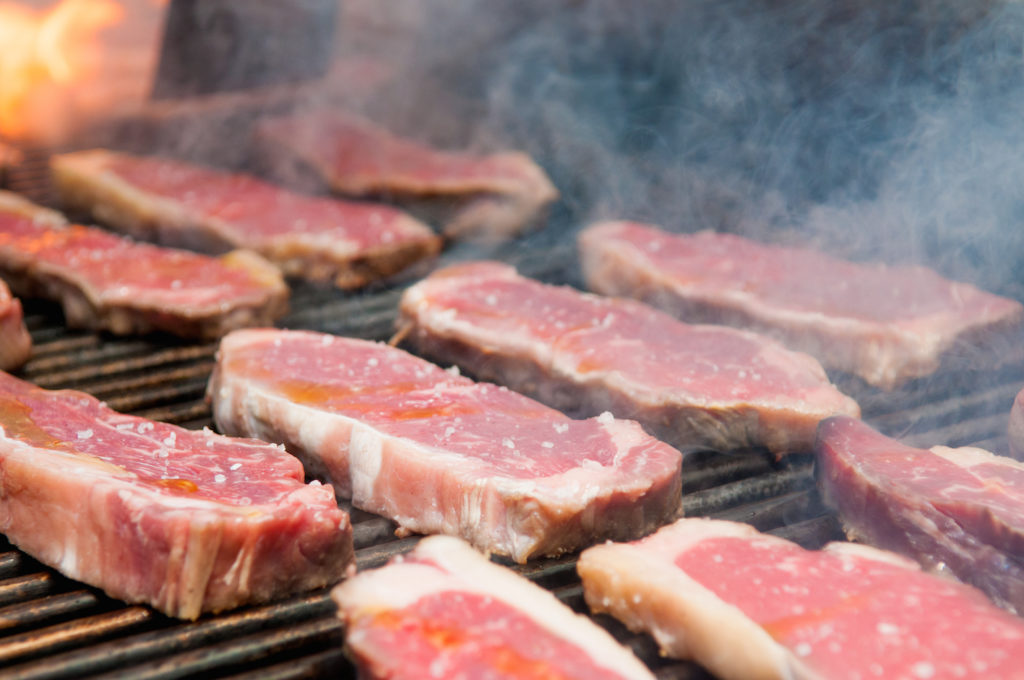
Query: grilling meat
x=695 y=386
x=445 y=611
x=187 y=522
x=957 y=511
x=884 y=324
x=15 y=342
x=108 y=282
x=439 y=453
x=750 y=605
x=473 y=196
x=189 y=206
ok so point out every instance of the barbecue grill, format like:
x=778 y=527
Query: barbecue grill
x=52 y=627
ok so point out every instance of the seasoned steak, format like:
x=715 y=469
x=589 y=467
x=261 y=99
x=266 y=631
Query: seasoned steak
x=107 y=282
x=186 y=522
x=694 y=386
x=473 y=196
x=15 y=342
x=439 y=453
x=188 y=206
x=884 y=324
x=445 y=611
x=750 y=605
x=957 y=511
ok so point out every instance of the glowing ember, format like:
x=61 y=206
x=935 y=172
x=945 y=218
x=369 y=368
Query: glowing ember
x=54 y=67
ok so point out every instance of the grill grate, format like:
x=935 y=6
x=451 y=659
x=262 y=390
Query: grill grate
x=52 y=627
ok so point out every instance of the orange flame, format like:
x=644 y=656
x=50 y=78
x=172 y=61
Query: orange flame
x=42 y=56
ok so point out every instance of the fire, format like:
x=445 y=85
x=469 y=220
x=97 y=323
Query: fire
x=45 y=58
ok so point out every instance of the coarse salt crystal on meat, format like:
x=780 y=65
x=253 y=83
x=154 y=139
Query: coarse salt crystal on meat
x=410 y=441
x=750 y=605
x=182 y=530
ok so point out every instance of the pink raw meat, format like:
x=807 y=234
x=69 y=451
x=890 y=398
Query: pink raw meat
x=884 y=324
x=959 y=511
x=496 y=195
x=108 y=282
x=749 y=605
x=183 y=205
x=445 y=611
x=15 y=342
x=695 y=386
x=439 y=453
x=187 y=522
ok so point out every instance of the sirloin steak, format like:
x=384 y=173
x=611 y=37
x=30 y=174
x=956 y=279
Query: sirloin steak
x=694 y=386
x=958 y=511
x=438 y=453
x=885 y=324
x=187 y=522
x=15 y=342
x=189 y=206
x=474 y=196
x=445 y=611
x=750 y=605
x=111 y=283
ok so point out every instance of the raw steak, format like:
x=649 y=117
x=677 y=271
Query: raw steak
x=108 y=282
x=488 y=196
x=695 y=386
x=959 y=511
x=884 y=324
x=187 y=522
x=439 y=453
x=189 y=206
x=15 y=342
x=445 y=611
x=750 y=605
x=1015 y=429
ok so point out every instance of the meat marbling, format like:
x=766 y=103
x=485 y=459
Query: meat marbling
x=439 y=453
x=958 y=511
x=445 y=611
x=185 y=521
x=15 y=342
x=748 y=605
x=183 y=205
x=104 y=281
x=475 y=196
x=884 y=324
x=694 y=386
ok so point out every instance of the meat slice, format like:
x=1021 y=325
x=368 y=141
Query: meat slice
x=445 y=611
x=958 y=511
x=750 y=605
x=694 y=386
x=183 y=205
x=474 y=196
x=884 y=324
x=439 y=453
x=108 y=282
x=15 y=342
x=187 y=522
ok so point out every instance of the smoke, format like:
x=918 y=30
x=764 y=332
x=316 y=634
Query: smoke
x=877 y=130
